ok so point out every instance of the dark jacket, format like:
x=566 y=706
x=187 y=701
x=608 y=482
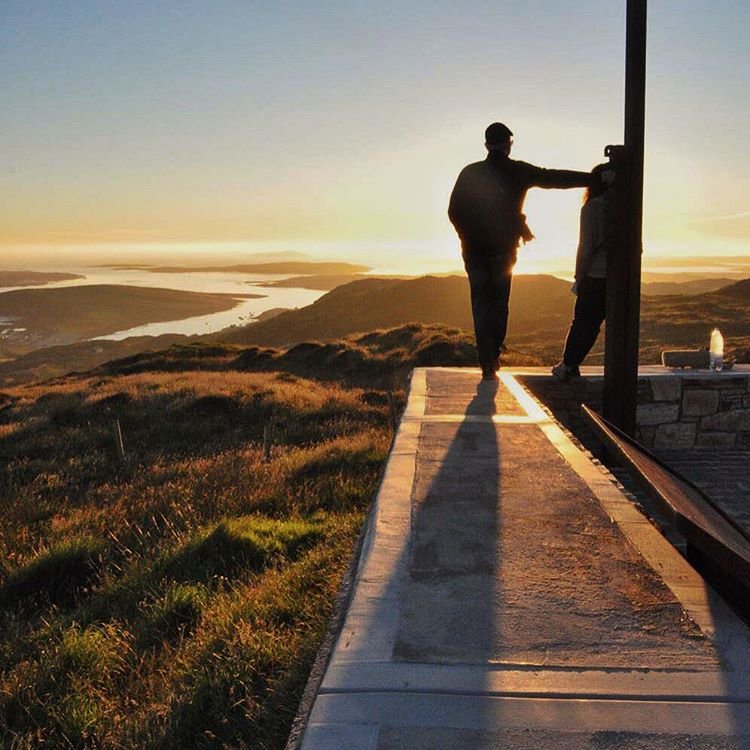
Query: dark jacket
x=595 y=239
x=487 y=202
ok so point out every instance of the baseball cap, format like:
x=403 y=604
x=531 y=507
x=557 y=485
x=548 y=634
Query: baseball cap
x=497 y=134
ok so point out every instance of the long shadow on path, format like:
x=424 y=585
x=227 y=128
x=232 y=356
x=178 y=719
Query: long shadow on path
x=448 y=613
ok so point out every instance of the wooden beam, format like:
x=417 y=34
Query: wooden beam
x=624 y=264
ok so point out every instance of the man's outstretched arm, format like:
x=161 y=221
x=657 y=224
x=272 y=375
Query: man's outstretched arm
x=555 y=178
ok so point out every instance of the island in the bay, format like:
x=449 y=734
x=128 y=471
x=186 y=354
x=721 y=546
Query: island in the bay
x=35 y=278
x=271 y=268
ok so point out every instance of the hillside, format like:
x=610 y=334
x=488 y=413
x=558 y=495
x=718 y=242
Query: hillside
x=328 y=282
x=363 y=306
x=55 y=361
x=538 y=303
x=321 y=282
x=686 y=322
x=377 y=356
x=694 y=286
x=740 y=290
x=381 y=358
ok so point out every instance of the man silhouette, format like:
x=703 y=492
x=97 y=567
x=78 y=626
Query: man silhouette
x=486 y=209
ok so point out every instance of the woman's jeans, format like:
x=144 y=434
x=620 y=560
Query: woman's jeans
x=590 y=311
x=489 y=281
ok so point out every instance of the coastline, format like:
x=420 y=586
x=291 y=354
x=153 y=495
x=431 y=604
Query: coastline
x=43 y=317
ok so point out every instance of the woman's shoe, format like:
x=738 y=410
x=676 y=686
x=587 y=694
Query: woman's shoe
x=564 y=373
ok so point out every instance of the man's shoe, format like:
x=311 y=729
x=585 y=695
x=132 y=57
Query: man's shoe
x=489 y=374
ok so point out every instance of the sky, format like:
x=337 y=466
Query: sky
x=144 y=128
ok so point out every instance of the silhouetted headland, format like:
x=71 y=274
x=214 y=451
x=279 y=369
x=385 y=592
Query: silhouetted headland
x=34 y=278
x=290 y=267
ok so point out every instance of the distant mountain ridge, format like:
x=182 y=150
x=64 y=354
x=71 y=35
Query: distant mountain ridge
x=541 y=308
x=537 y=302
x=281 y=267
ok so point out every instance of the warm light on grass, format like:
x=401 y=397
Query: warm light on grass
x=176 y=599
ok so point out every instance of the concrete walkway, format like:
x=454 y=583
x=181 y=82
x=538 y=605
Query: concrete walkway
x=510 y=596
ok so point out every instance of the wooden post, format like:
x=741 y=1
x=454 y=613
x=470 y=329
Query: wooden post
x=267 y=441
x=624 y=264
x=119 y=444
x=392 y=410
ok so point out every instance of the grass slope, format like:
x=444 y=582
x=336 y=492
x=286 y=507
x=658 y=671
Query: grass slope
x=382 y=358
x=178 y=599
x=359 y=359
x=55 y=361
x=686 y=322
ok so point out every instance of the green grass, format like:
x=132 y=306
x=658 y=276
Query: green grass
x=178 y=610
x=250 y=543
x=59 y=572
x=175 y=599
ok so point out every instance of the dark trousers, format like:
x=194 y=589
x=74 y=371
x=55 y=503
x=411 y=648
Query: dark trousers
x=590 y=311
x=489 y=281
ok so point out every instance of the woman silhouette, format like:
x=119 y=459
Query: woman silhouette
x=590 y=275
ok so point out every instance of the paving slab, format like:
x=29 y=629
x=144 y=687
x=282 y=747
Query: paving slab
x=510 y=595
x=724 y=475
x=531 y=739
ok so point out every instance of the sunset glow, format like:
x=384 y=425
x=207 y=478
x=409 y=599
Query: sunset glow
x=341 y=129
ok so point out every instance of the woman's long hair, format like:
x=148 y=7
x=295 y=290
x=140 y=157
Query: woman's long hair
x=597 y=187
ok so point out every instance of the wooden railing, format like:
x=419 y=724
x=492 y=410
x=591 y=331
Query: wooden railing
x=718 y=547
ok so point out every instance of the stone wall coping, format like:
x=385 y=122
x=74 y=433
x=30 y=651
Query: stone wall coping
x=676 y=409
x=644 y=371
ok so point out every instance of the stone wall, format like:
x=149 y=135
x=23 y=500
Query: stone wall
x=674 y=412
